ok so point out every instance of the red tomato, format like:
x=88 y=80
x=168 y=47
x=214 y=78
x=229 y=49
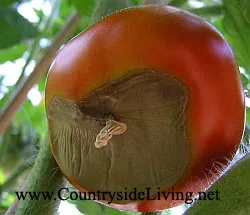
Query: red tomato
x=172 y=42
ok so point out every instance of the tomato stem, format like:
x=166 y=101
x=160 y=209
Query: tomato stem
x=45 y=176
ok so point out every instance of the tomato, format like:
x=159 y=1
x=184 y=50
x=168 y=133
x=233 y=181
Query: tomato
x=148 y=97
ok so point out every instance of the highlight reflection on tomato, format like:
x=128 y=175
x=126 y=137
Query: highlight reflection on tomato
x=147 y=97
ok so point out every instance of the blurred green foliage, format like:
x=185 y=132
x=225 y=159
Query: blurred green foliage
x=12 y=53
x=236 y=24
x=84 y=7
x=5 y=3
x=14 y=27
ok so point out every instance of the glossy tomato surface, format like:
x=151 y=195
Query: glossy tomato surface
x=180 y=44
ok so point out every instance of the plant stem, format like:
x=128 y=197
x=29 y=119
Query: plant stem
x=45 y=176
x=19 y=95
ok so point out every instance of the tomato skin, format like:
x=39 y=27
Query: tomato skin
x=186 y=47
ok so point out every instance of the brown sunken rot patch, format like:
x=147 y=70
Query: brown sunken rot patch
x=146 y=113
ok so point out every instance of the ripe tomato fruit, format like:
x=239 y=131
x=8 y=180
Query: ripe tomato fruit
x=148 y=97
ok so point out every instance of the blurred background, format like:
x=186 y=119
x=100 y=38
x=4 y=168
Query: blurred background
x=32 y=32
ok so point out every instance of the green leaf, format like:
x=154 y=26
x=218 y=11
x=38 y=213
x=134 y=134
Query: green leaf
x=65 y=9
x=110 y=211
x=14 y=28
x=244 y=80
x=218 y=24
x=41 y=83
x=83 y=7
x=237 y=29
x=2 y=178
x=248 y=115
x=88 y=207
x=177 y=3
x=5 y=3
x=246 y=10
x=135 y=2
x=12 y=53
x=208 y=11
x=34 y=117
x=233 y=192
x=105 y=7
